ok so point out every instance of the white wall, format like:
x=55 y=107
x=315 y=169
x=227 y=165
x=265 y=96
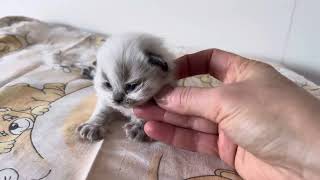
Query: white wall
x=303 y=50
x=280 y=30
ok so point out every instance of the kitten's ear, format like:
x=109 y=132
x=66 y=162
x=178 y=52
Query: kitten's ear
x=156 y=60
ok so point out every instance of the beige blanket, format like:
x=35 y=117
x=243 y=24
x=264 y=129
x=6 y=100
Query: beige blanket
x=40 y=107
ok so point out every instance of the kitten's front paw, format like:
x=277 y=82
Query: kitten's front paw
x=134 y=131
x=91 y=132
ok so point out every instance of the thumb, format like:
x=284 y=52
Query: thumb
x=201 y=102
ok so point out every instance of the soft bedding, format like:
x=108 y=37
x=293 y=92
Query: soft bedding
x=41 y=106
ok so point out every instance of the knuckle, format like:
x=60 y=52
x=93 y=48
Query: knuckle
x=244 y=66
x=184 y=98
x=261 y=65
x=226 y=94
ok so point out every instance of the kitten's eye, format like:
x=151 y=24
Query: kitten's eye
x=130 y=87
x=107 y=84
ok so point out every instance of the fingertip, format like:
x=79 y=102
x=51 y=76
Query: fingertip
x=149 y=128
x=159 y=131
x=139 y=111
x=143 y=109
x=149 y=112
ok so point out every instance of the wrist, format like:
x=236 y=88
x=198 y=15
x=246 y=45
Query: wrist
x=305 y=122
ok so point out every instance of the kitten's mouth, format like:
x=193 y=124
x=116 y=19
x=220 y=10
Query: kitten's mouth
x=125 y=105
x=130 y=103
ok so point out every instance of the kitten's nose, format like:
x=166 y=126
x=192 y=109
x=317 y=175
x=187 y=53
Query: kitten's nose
x=118 y=97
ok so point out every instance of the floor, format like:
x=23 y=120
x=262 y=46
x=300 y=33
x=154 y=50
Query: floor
x=286 y=31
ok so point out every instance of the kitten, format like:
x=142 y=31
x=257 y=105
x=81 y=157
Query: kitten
x=130 y=70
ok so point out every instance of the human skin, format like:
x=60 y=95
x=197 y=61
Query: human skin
x=257 y=121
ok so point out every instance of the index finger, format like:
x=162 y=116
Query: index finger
x=218 y=63
x=153 y=112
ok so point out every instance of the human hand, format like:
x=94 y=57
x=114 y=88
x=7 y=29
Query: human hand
x=258 y=121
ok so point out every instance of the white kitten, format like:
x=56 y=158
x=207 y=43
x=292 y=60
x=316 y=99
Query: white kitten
x=130 y=70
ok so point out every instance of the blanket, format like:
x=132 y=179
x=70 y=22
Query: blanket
x=41 y=107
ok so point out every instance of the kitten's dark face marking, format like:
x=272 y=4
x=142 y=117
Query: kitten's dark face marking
x=106 y=83
x=120 y=95
x=156 y=60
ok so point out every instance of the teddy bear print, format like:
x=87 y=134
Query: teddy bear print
x=20 y=105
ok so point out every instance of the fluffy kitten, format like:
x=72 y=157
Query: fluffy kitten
x=130 y=70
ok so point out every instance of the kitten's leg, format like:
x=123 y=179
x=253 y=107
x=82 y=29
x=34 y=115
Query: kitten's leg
x=94 y=129
x=134 y=130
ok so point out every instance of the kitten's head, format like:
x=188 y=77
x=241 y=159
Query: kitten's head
x=132 y=68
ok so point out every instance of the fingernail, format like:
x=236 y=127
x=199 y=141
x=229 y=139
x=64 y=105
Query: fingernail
x=138 y=111
x=147 y=128
x=161 y=97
